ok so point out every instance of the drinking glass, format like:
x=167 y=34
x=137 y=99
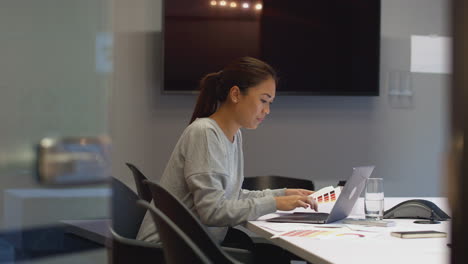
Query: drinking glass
x=374 y=199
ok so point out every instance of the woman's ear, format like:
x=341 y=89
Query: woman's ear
x=234 y=94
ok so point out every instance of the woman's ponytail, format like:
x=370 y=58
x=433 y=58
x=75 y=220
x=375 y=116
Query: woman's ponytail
x=207 y=101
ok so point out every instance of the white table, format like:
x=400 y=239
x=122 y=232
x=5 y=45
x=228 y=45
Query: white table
x=380 y=247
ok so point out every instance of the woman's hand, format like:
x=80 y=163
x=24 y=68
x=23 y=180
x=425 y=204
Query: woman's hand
x=298 y=192
x=290 y=202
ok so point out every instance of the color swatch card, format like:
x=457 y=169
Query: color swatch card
x=327 y=194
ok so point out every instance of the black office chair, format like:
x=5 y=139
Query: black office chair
x=189 y=224
x=177 y=245
x=126 y=221
x=275 y=182
x=139 y=177
x=125 y=250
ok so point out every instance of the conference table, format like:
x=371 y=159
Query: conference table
x=96 y=230
x=344 y=243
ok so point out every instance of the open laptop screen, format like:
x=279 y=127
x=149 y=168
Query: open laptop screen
x=343 y=206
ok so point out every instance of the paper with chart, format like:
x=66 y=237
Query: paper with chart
x=343 y=232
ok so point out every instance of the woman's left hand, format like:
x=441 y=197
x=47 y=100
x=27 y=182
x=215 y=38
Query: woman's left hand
x=302 y=192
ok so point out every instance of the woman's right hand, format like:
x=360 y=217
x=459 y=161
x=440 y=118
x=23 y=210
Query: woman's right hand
x=290 y=202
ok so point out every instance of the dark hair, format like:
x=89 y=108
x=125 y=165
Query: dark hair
x=244 y=72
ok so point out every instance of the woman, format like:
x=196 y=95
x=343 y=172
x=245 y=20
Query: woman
x=206 y=168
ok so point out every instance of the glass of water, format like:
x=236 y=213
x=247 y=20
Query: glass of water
x=374 y=199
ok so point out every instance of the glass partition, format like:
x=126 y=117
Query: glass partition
x=55 y=73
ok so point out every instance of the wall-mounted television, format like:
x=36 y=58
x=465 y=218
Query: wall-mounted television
x=327 y=47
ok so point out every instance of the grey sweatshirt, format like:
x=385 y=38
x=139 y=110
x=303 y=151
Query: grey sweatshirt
x=205 y=172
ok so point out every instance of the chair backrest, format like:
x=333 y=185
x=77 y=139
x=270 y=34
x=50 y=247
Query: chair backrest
x=126 y=216
x=276 y=182
x=178 y=247
x=126 y=250
x=181 y=216
x=139 y=177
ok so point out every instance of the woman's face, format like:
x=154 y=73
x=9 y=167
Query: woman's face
x=255 y=104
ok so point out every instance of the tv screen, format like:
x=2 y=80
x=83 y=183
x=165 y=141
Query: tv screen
x=317 y=47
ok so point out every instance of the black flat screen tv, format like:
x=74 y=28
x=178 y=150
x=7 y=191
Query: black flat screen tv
x=329 y=47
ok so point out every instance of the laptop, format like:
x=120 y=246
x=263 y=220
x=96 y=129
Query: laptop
x=343 y=206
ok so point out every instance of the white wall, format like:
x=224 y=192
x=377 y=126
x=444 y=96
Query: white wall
x=318 y=138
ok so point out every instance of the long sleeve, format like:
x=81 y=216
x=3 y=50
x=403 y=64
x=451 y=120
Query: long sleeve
x=214 y=209
x=245 y=194
x=214 y=174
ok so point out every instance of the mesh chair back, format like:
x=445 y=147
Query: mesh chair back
x=126 y=251
x=126 y=221
x=276 y=182
x=178 y=247
x=126 y=216
x=187 y=222
x=143 y=191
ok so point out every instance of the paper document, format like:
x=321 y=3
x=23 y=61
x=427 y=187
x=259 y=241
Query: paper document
x=431 y=54
x=327 y=233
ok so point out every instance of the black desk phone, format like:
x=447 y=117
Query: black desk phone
x=416 y=208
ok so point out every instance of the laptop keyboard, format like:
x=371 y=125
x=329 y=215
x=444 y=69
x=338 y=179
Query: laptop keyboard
x=311 y=216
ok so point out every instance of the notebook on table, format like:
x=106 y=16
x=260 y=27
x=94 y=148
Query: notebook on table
x=343 y=205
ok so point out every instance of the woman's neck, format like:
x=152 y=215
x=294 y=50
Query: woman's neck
x=224 y=120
